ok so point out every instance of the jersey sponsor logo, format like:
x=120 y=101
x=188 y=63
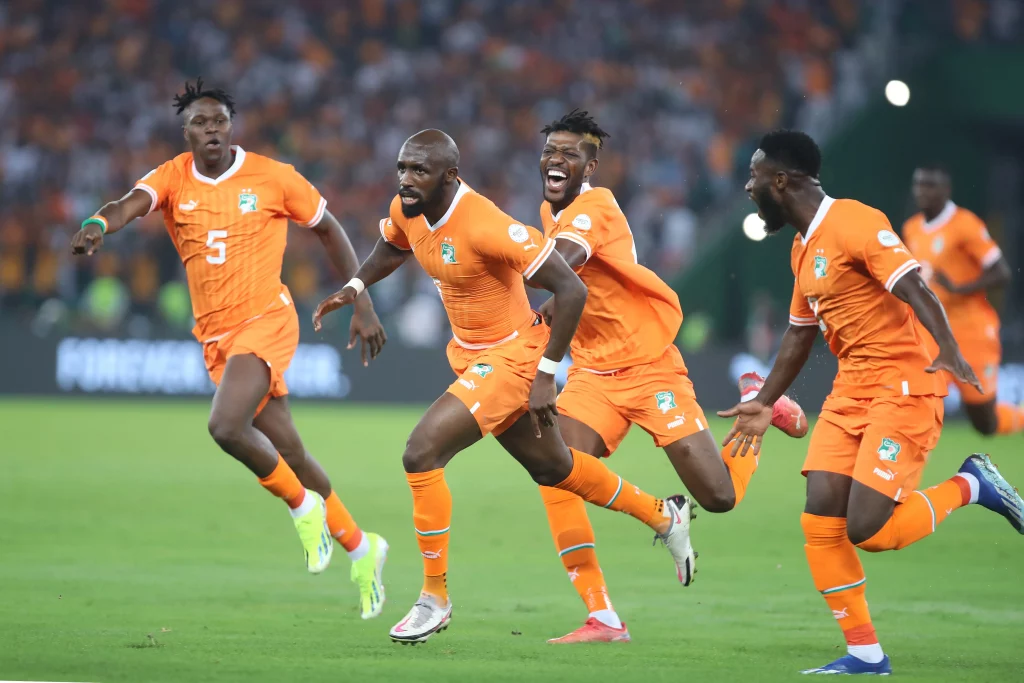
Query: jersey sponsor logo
x=679 y=421
x=665 y=400
x=886 y=474
x=820 y=267
x=937 y=245
x=189 y=206
x=581 y=222
x=448 y=253
x=889 y=449
x=518 y=233
x=468 y=383
x=482 y=369
x=887 y=238
x=247 y=201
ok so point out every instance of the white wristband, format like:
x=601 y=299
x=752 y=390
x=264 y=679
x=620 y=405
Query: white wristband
x=547 y=365
x=356 y=284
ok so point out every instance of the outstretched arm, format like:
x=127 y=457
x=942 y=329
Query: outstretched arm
x=912 y=289
x=755 y=416
x=365 y=324
x=570 y=296
x=382 y=261
x=116 y=214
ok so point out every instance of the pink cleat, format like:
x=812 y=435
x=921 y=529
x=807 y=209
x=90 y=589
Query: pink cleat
x=787 y=415
x=593 y=631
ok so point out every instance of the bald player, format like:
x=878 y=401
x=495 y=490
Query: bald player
x=962 y=263
x=227 y=211
x=504 y=356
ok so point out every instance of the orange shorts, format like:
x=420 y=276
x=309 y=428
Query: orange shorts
x=272 y=337
x=657 y=396
x=495 y=383
x=883 y=443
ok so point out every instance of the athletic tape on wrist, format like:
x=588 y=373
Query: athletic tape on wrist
x=356 y=284
x=547 y=365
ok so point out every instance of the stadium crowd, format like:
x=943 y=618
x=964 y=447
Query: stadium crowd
x=334 y=88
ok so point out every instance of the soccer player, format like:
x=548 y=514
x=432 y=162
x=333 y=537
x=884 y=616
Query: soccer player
x=503 y=353
x=626 y=368
x=961 y=263
x=858 y=284
x=227 y=211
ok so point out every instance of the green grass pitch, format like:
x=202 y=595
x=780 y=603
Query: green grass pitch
x=132 y=550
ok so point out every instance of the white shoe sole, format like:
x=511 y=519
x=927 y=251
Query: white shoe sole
x=411 y=639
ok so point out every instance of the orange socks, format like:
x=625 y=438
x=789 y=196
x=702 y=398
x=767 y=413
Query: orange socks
x=740 y=469
x=342 y=526
x=839 y=577
x=432 y=517
x=591 y=480
x=1011 y=418
x=283 y=483
x=574 y=540
x=919 y=514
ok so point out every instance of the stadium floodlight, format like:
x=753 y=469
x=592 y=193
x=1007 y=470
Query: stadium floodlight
x=898 y=93
x=753 y=227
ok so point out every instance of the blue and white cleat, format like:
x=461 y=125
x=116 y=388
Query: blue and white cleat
x=994 y=492
x=849 y=665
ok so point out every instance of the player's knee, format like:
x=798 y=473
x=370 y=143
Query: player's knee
x=227 y=433
x=860 y=531
x=717 y=500
x=420 y=456
x=549 y=474
x=985 y=426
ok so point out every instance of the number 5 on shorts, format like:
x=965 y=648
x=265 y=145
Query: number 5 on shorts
x=212 y=242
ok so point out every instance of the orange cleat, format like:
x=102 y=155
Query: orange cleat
x=787 y=415
x=593 y=631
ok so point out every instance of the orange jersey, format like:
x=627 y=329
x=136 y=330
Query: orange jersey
x=957 y=244
x=231 y=232
x=631 y=316
x=845 y=270
x=477 y=256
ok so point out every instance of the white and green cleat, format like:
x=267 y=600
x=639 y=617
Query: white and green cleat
x=367 y=573
x=311 y=522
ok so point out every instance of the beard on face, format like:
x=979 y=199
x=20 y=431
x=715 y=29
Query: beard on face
x=771 y=211
x=417 y=209
x=412 y=210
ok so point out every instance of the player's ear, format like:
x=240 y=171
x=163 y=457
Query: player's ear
x=451 y=175
x=591 y=168
x=781 y=180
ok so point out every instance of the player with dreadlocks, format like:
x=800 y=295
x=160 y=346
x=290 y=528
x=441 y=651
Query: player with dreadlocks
x=227 y=211
x=626 y=369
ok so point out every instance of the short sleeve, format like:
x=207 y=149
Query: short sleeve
x=883 y=253
x=976 y=241
x=523 y=248
x=800 y=313
x=583 y=226
x=159 y=184
x=302 y=202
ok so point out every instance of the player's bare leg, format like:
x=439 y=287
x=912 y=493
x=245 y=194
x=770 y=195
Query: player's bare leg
x=368 y=551
x=703 y=471
x=244 y=384
x=983 y=417
x=445 y=429
x=551 y=463
x=575 y=543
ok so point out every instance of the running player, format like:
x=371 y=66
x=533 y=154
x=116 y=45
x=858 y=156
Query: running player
x=504 y=356
x=856 y=281
x=626 y=368
x=961 y=262
x=227 y=211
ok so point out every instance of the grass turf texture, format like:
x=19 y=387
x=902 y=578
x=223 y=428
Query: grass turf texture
x=131 y=549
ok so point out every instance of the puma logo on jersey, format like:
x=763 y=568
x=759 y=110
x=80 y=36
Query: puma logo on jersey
x=530 y=246
x=189 y=206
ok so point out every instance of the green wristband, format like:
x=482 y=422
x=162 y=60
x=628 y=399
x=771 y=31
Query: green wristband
x=98 y=221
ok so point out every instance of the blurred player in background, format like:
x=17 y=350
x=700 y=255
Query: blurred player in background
x=504 y=355
x=626 y=369
x=858 y=284
x=227 y=212
x=962 y=263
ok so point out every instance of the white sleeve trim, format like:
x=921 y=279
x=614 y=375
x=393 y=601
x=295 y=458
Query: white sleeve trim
x=991 y=256
x=908 y=266
x=152 y=195
x=573 y=237
x=802 y=322
x=383 y=221
x=318 y=216
x=545 y=252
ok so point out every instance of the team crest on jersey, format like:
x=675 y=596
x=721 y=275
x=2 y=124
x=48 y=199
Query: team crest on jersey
x=666 y=401
x=482 y=369
x=937 y=245
x=247 y=201
x=820 y=267
x=889 y=449
x=448 y=253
